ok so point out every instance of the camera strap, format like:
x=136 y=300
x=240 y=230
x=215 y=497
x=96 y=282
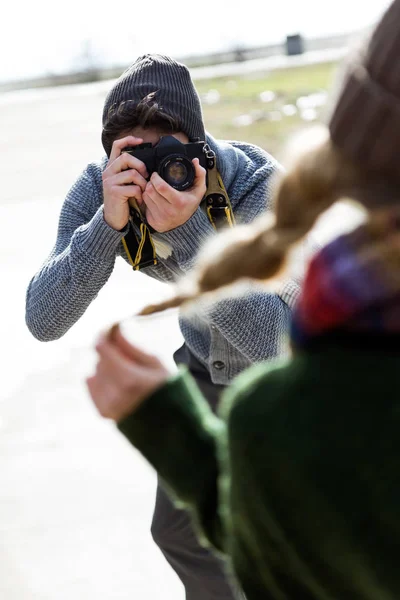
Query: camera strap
x=141 y=251
x=216 y=203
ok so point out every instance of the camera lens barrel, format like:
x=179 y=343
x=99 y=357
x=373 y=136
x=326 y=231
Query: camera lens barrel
x=178 y=171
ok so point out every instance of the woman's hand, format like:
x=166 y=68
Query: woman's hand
x=125 y=376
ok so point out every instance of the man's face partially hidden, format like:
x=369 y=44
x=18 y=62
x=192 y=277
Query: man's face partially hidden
x=153 y=135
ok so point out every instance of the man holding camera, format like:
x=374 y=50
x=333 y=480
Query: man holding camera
x=120 y=206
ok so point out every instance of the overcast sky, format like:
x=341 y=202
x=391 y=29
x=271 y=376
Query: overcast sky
x=39 y=36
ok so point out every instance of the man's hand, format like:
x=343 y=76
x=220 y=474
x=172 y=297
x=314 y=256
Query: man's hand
x=125 y=376
x=124 y=177
x=166 y=208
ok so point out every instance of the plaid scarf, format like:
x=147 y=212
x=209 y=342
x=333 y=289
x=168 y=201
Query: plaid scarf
x=353 y=283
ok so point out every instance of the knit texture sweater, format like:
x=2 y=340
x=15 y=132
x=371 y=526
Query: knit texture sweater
x=297 y=481
x=226 y=337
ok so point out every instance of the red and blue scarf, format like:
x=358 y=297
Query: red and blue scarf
x=353 y=283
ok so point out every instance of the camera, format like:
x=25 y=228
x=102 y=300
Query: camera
x=171 y=159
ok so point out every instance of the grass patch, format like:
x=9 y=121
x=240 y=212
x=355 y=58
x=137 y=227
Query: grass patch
x=265 y=108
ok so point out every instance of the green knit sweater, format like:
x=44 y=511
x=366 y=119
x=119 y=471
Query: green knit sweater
x=297 y=482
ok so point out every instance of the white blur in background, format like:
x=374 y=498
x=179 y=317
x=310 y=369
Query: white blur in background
x=43 y=37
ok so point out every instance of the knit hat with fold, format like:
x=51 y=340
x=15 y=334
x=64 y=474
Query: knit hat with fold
x=365 y=121
x=173 y=85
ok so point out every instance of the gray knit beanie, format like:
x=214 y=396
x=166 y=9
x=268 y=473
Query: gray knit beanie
x=365 y=121
x=175 y=92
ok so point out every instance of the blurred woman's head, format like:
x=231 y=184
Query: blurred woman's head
x=358 y=159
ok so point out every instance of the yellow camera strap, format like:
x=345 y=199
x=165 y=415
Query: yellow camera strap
x=216 y=202
x=141 y=251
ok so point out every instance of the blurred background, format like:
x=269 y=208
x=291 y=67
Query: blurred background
x=76 y=500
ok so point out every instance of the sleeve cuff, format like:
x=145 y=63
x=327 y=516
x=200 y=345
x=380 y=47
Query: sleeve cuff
x=175 y=429
x=98 y=238
x=188 y=238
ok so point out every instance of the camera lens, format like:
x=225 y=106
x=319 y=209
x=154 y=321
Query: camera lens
x=177 y=171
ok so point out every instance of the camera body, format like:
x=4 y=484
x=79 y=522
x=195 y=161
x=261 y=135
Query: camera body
x=171 y=159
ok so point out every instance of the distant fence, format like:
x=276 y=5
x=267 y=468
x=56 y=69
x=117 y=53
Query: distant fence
x=242 y=53
x=234 y=55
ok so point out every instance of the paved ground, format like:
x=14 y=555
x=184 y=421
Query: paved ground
x=75 y=499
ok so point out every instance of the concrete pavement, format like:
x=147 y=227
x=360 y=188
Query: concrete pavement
x=75 y=499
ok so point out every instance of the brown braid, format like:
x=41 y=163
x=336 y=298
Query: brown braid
x=259 y=250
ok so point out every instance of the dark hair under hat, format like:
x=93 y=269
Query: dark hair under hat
x=175 y=92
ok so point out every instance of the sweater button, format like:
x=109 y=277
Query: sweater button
x=218 y=364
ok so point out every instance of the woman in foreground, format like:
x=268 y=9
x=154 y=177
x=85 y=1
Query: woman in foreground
x=296 y=481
